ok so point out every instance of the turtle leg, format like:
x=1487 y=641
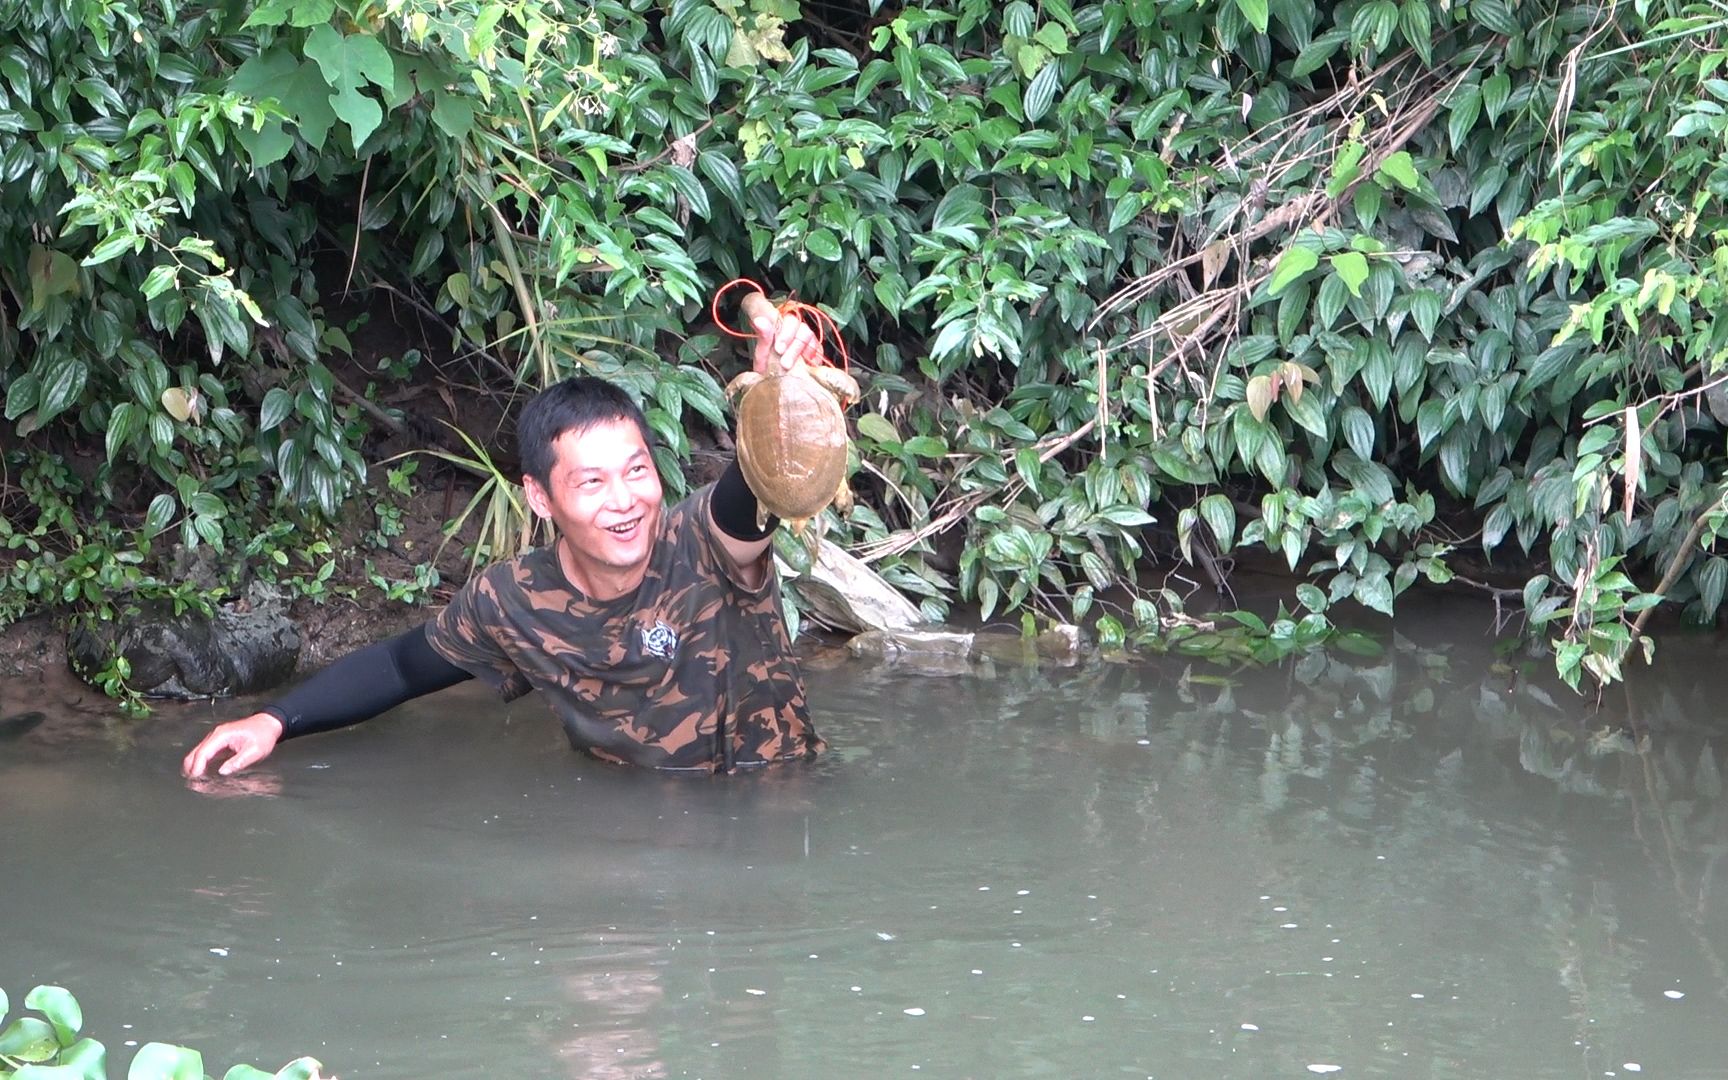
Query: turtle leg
x=738 y=387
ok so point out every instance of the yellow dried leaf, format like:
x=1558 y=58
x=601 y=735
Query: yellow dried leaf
x=1260 y=395
x=1212 y=260
x=181 y=403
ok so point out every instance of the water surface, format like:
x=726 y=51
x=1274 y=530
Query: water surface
x=1419 y=866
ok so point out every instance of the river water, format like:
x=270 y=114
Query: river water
x=1419 y=865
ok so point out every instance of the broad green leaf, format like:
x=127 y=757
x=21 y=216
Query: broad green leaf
x=306 y=95
x=111 y=246
x=1711 y=580
x=1358 y=429
x=1496 y=15
x=160 y=1061
x=823 y=244
x=1352 y=267
x=57 y=1072
x=1220 y=516
x=22 y=395
x=1374 y=592
x=1255 y=11
x=348 y=62
x=1417 y=27
x=875 y=426
x=454 y=113
x=29 y=1039
x=1333 y=299
x=1052 y=37
x=723 y=174
x=247 y=1072
x=1400 y=167
x=1495 y=90
x=1041 y=92
x=1296 y=261
x=269 y=13
x=1366 y=203
x=1461 y=114
x=62 y=384
x=311 y=12
x=1425 y=307
x=161 y=512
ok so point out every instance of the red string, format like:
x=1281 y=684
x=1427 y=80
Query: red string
x=817 y=319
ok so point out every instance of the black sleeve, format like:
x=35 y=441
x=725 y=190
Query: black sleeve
x=365 y=683
x=734 y=507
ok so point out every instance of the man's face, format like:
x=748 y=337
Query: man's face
x=604 y=495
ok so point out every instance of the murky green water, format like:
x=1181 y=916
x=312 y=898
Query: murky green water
x=1401 y=868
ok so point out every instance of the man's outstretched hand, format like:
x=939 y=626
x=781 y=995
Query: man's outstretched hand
x=246 y=742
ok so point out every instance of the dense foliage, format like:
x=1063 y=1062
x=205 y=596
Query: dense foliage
x=49 y=1047
x=1385 y=290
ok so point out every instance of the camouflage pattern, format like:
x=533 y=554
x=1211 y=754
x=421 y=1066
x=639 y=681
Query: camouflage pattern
x=694 y=670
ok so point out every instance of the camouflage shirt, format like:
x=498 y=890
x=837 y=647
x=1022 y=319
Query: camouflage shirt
x=693 y=670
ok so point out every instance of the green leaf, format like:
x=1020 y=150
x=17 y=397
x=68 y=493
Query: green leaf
x=1496 y=15
x=1220 y=516
x=823 y=244
x=62 y=384
x=1461 y=115
x=1375 y=592
x=1255 y=11
x=159 y=1061
x=1352 y=267
x=1359 y=431
x=1711 y=580
x=1399 y=166
x=161 y=512
x=1041 y=92
x=1495 y=90
x=29 y=1039
x=723 y=174
x=1295 y=262
x=278 y=404
x=878 y=428
x=691 y=188
x=269 y=13
x=1425 y=307
x=1418 y=28
x=454 y=113
x=246 y=1072
x=22 y=395
x=299 y=1069
x=348 y=62
x=1366 y=203
x=1334 y=297
x=311 y=12
x=111 y=246
x=1052 y=37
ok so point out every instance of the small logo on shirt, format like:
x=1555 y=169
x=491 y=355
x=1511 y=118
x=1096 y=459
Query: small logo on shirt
x=659 y=640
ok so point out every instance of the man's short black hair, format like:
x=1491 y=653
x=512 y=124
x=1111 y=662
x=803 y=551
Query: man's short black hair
x=576 y=404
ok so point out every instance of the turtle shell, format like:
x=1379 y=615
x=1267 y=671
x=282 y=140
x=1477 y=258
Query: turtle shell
x=792 y=444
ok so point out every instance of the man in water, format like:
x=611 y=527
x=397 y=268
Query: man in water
x=656 y=634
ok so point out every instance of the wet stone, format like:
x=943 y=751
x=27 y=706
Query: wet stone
x=243 y=648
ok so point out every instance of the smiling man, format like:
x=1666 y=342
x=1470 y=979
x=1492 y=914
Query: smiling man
x=656 y=633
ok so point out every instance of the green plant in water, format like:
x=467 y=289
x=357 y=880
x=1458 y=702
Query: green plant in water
x=49 y=1047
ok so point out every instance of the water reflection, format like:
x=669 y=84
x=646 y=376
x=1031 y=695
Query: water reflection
x=1424 y=865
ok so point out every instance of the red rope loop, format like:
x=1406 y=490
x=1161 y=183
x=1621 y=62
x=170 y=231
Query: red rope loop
x=817 y=319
